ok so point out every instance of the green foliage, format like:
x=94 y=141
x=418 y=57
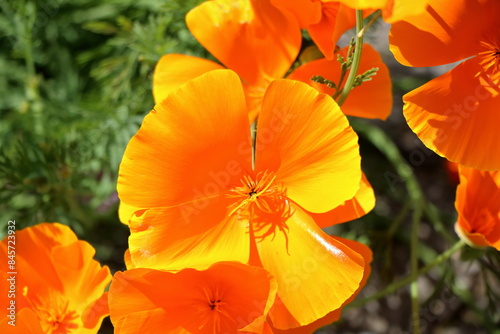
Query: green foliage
x=76 y=77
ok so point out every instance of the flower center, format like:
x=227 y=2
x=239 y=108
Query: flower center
x=263 y=202
x=214 y=304
x=54 y=322
x=55 y=315
x=490 y=57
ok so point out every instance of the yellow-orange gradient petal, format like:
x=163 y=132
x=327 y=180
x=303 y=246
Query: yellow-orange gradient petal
x=306 y=140
x=478 y=206
x=194 y=235
x=26 y=322
x=34 y=248
x=334 y=316
x=225 y=298
x=316 y=274
x=364 y=4
x=358 y=206
x=204 y=120
x=397 y=10
x=325 y=33
x=126 y=212
x=373 y=99
x=251 y=37
x=83 y=278
x=444 y=33
x=456 y=115
x=173 y=70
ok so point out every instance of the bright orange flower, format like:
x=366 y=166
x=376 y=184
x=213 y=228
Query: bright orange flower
x=250 y=37
x=478 y=206
x=373 y=99
x=228 y=297
x=456 y=114
x=59 y=288
x=197 y=199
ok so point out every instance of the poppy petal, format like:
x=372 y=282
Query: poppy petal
x=398 y=10
x=161 y=168
x=358 y=206
x=373 y=99
x=456 y=116
x=125 y=212
x=173 y=70
x=325 y=33
x=192 y=235
x=251 y=37
x=82 y=276
x=26 y=322
x=478 y=206
x=306 y=12
x=443 y=33
x=316 y=273
x=34 y=254
x=306 y=140
x=136 y=299
x=333 y=316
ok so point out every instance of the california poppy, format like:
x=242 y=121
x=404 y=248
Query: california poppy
x=59 y=287
x=250 y=37
x=227 y=297
x=456 y=114
x=478 y=206
x=199 y=197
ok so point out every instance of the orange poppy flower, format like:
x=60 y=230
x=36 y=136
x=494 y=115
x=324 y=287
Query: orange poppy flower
x=59 y=288
x=456 y=114
x=250 y=37
x=228 y=297
x=478 y=206
x=200 y=197
x=373 y=99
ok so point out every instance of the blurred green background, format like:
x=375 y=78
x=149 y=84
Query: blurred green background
x=75 y=83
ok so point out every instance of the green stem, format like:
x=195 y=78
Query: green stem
x=414 y=241
x=374 y=18
x=410 y=278
x=356 y=58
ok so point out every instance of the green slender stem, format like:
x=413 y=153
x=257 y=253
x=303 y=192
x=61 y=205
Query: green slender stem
x=431 y=212
x=253 y=134
x=398 y=220
x=374 y=18
x=414 y=241
x=356 y=59
x=410 y=278
x=341 y=80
